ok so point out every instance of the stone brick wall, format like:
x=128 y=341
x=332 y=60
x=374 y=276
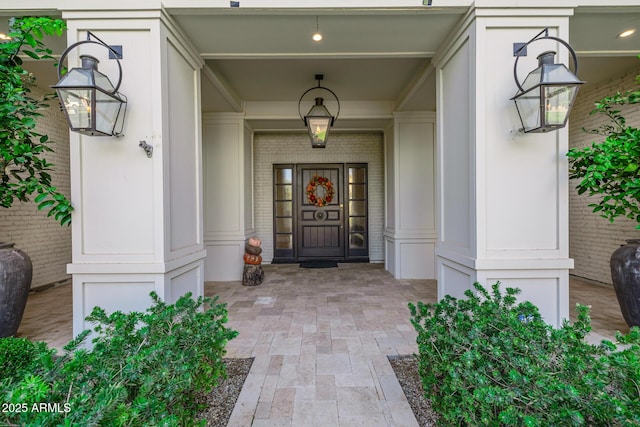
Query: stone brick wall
x=592 y=239
x=271 y=148
x=47 y=243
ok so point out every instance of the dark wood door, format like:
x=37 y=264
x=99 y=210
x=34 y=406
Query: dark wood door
x=320 y=211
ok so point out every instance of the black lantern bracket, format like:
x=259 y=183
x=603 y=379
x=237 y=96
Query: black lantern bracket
x=113 y=54
x=319 y=78
x=521 y=50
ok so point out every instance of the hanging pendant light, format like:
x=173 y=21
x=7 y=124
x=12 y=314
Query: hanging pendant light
x=317 y=36
x=319 y=119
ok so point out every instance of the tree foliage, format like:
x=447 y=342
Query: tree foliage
x=24 y=170
x=611 y=168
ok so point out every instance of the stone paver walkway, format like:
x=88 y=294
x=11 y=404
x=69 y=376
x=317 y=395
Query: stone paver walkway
x=320 y=338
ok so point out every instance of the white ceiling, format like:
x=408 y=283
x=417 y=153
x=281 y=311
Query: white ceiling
x=379 y=55
x=261 y=55
x=373 y=56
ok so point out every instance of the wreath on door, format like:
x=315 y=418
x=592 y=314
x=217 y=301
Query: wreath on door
x=312 y=187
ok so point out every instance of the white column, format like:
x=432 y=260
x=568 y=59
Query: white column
x=137 y=225
x=502 y=195
x=228 y=196
x=410 y=232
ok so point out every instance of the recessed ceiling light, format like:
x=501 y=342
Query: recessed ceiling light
x=627 y=33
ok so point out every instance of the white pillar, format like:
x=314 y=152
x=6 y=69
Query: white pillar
x=410 y=231
x=228 y=183
x=502 y=195
x=137 y=225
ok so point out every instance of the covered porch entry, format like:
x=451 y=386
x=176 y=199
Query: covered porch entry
x=463 y=196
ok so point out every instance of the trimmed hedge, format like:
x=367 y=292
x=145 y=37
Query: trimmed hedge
x=144 y=369
x=486 y=360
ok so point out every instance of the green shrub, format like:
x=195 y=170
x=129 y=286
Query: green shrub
x=486 y=360
x=144 y=369
x=19 y=355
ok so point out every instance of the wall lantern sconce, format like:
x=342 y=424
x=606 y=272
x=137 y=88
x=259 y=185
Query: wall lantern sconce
x=92 y=104
x=546 y=97
x=319 y=120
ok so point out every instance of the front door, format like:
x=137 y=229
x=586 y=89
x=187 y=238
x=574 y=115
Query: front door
x=320 y=211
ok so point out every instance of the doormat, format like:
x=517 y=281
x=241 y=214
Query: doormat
x=318 y=264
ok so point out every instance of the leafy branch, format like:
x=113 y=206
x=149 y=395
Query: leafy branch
x=611 y=168
x=24 y=171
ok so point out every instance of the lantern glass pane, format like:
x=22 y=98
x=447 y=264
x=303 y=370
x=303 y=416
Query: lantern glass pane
x=528 y=105
x=319 y=110
x=532 y=79
x=77 y=104
x=77 y=77
x=318 y=130
x=556 y=104
x=558 y=100
x=558 y=73
x=107 y=109
x=103 y=81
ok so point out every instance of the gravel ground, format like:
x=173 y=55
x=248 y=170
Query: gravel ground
x=406 y=369
x=222 y=399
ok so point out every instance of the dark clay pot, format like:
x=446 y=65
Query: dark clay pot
x=625 y=273
x=15 y=282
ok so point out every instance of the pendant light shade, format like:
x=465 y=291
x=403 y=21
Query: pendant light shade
x=319 y=119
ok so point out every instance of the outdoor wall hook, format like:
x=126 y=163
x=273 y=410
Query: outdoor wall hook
x=147 y=148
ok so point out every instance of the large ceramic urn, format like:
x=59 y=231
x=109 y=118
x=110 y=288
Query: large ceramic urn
x=15 y=282
x=625 y=274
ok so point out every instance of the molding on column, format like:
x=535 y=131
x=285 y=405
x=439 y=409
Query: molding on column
x=223 y=117
x=555 y=263
x=410 y=234
x=135 y=268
